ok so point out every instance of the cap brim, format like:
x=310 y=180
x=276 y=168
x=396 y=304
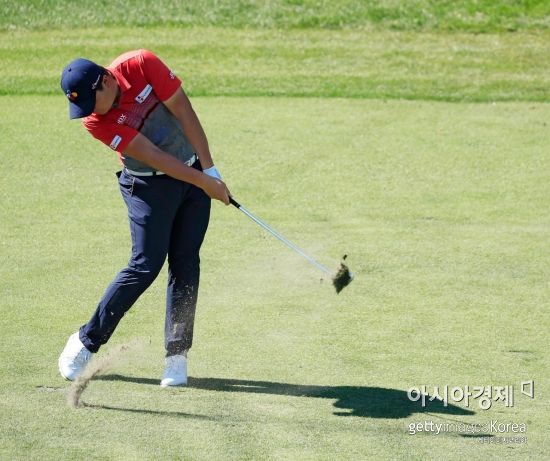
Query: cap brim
x=82 y=109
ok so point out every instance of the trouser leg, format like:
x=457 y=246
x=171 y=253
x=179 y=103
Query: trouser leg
x=152 y=205
x=188 y=231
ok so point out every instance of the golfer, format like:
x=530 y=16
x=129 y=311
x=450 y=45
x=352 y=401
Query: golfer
x=137 y=107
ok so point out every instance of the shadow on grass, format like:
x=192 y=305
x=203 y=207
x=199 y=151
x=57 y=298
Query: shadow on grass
x=178 y=414
x=128 y=379
x=366 y=402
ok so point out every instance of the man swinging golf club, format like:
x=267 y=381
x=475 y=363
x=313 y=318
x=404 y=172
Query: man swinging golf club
x=137 y=107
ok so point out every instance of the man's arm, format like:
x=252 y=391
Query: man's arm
x=143 y=150
x=182 y=109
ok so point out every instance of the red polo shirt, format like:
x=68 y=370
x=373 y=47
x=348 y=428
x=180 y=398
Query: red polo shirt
x=144 y=82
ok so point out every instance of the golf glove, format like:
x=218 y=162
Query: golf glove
x=212 y=172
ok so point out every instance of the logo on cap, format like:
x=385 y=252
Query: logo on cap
x=72 y=95
x=94 y=85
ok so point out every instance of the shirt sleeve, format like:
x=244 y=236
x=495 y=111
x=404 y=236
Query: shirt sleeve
x=162 y=79
x=113 y=135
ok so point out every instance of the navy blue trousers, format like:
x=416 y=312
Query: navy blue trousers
x=167 y=218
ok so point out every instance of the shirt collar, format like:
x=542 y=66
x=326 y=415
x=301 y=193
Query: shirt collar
x=122 y=82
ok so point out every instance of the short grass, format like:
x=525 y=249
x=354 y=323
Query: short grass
x=441 y=207
x=479 y=16
x=346 y=63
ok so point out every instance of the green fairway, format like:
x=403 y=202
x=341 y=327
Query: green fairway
x=478 y=16
x=410 y=135
x=441 y=208
x=344 y=63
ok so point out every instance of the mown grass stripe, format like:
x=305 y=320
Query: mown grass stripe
x=483 y=16
x=351 y=64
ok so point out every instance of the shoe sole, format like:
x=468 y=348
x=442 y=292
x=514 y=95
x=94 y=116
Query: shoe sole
x=164 y=386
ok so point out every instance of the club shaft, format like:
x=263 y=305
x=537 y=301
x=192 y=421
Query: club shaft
x=281 y=238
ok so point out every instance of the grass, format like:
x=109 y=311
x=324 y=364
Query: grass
x=312 y=63
x=478 y=16
x=441 y=207
x=338 y=123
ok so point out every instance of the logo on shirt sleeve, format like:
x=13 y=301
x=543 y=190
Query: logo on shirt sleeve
x=171 y=75
x=144 y=93
x=115 y=142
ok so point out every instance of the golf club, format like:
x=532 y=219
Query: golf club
x=340 y=280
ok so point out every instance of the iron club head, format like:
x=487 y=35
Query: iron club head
x=342 y=278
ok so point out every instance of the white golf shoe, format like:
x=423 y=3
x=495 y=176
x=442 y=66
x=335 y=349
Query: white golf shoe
x=175 y=373
x=74 y=358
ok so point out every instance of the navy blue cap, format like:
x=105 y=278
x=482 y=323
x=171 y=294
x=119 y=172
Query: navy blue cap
x=79 y=81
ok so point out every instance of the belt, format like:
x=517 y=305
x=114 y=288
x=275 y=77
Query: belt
x=158 y=173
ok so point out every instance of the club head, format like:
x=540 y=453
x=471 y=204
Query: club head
x=342 y=278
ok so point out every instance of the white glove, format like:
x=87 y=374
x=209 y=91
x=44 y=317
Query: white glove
x=213 y=172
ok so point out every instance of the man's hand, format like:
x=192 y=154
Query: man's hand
x=212 y=172
x=216 y=189
x=143 y=150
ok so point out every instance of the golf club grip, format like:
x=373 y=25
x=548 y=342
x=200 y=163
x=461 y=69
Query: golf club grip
x=234 y=202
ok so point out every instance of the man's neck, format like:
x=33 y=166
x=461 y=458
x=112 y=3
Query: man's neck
x=117 y=98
